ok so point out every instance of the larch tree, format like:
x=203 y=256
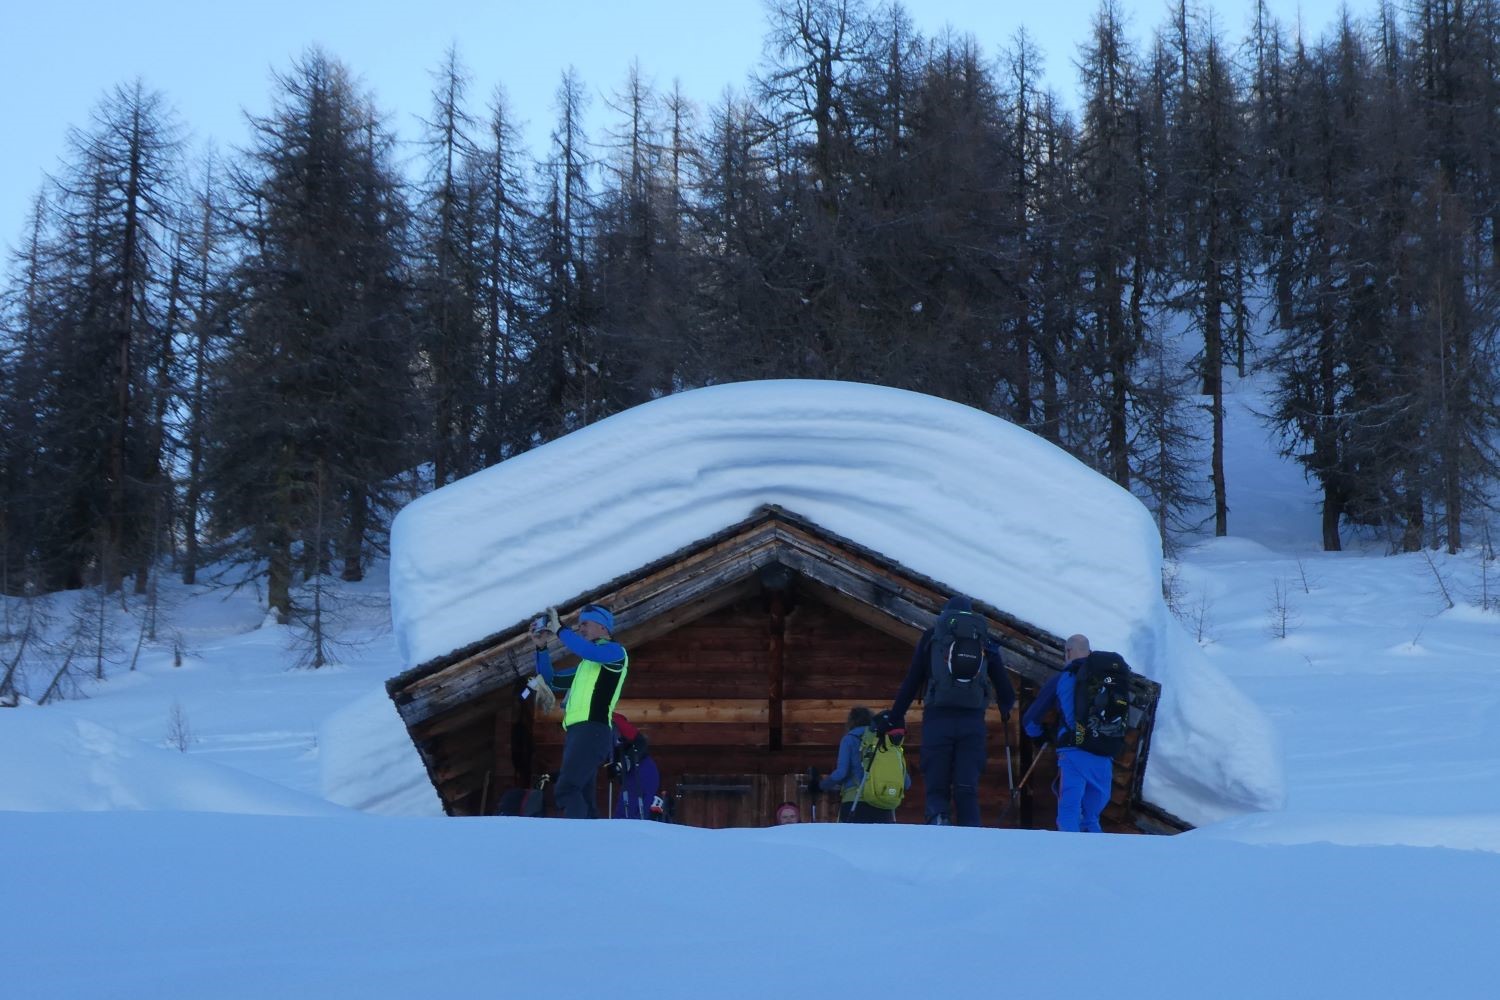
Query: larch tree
x=313 y=397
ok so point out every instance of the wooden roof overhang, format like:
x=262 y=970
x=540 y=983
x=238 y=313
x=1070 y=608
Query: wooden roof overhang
x=458 y=690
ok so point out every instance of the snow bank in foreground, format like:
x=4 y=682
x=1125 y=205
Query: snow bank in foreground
x=946 y=490
x=367 y=763
x=370 y=907
x=54 y=762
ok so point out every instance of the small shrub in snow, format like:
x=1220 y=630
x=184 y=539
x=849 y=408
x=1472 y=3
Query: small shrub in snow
x=1172 y=589
x=1487 y=593
x=1199 y=619
x=1442 y=584
x=1283 y=618
x=1307 y=584
x=1191 y=612
x=179 y=732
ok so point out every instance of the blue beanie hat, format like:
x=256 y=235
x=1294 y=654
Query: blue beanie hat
x=598 y=613
x=958 y=602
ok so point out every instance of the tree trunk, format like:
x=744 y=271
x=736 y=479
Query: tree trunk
x=354 y=535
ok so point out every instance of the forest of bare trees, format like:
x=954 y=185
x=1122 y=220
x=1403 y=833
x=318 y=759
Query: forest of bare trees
x=252 y=358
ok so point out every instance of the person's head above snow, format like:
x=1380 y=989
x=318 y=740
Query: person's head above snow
x=596 y=614
x=1077 y=648
x=958 y=602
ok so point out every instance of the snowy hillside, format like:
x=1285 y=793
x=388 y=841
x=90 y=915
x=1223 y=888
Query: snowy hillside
x=253 y=864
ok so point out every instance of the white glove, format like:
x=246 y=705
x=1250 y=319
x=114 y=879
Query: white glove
x=544 y=694
x=554 y=623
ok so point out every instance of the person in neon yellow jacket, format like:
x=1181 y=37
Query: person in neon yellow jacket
x=590 y=692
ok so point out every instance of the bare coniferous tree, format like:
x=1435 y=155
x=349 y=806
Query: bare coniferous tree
x=561 y=371
x=1283 y=617
x=639 y=270
x=447 y=317
x=318 y=373
x=207 y=330
x=180 y=733
x=506 y=275
x=883 y=207
x=26 y=315
x=26 y=643
x=109 y=254
x=814 y=50
x=1313 y=377
x=1114 y=223
x=1216 y=231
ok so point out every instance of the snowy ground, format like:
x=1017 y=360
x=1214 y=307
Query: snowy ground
x=236 y=869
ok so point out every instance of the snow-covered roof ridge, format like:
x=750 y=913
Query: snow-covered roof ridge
x=946 y=490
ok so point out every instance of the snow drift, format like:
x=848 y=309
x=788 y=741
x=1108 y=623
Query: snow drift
x=55 y=762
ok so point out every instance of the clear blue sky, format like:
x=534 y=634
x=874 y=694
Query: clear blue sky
x=213 y=59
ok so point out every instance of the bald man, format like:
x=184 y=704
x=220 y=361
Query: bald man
x=1084 y=778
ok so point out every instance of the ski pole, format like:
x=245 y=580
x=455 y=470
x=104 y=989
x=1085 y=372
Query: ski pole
x=1022 y=783
x=1010 y=774
x=1010 y=809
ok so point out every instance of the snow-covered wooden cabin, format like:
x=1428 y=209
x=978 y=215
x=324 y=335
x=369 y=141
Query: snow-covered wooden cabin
x=771 y=552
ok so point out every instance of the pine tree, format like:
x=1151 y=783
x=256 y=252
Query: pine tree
x=448 y=278
x=209 y=303
x=106 y=338
x=1113 y=229
x=315 y=387
x=561 y=374
x=507 y=278
x=1216 y=208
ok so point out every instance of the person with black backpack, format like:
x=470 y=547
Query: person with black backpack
x=633 y=768
x=957 y=668
x=1091 y=696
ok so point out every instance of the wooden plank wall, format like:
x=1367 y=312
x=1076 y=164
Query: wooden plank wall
x=702 y=695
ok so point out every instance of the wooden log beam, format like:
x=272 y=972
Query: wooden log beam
x=645 y=712
x=811 y=710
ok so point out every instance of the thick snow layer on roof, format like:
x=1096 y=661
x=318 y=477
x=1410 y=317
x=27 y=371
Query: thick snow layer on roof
x=946 y=490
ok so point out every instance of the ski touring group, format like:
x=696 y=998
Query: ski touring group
x=957 y=671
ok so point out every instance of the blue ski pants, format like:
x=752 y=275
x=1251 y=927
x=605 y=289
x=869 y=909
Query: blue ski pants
x=1083 y=791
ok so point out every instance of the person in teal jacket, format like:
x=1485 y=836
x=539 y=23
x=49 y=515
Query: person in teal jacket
x=589 y=693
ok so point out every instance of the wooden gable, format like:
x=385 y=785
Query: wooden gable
x=747 y=650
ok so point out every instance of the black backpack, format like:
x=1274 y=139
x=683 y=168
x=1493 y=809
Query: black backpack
x=1101 y=703
x=521 y=802
x=957 y=676
x=628 y=754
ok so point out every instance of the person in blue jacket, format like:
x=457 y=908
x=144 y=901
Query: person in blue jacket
x=589 y=693
x=849 y=774
x=953 y=729
x=1084 y=778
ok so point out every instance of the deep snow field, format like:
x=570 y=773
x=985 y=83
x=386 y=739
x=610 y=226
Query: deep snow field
x=295 y=848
